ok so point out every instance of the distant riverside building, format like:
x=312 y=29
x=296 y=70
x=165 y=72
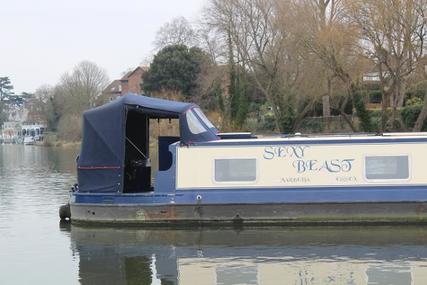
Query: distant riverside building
x=130 y=82
x=33 y=130
x=372 y=83
x=17 y=132
x=371 y=77
x=10 y=132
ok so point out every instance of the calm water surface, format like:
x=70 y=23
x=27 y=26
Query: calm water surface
x=36 y=249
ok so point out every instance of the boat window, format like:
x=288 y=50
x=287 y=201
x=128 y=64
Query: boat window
x=194 y=124
x=387 y=167
x=235 y=170
x=204 y=118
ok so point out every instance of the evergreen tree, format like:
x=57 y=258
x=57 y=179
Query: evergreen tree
x=5 y=90
x=239 y=103
x=175 y=68
x=6 y=87
x=3 y=113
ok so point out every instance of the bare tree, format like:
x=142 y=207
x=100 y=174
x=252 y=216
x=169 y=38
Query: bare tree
x=296 y=52
x=212 y=41
x=257 y=43
x=176 y=32
x=331 y=42
x=83 y=85
x=393 y=35
x=39 y=104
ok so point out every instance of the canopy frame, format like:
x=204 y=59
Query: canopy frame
x=101 y=163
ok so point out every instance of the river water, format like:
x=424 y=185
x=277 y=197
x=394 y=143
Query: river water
x=36 y=249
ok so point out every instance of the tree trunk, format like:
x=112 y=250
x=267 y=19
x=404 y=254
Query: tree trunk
x=422 y=116
x=401 y=95
x=302 y=114
x=395 y=122
x=326 y=100
x=383 y=110
x=393 y=119
x=276 y=113
x=384 y=98
x=344 y=115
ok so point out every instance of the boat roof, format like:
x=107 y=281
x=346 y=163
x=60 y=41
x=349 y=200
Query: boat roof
x=160 y=107
x=325 y=138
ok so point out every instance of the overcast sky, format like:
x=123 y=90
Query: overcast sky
x=40 y=40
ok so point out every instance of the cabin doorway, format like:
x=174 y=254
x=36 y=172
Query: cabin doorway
x=147 y=149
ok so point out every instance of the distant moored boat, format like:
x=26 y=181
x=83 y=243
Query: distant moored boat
x=29 y=140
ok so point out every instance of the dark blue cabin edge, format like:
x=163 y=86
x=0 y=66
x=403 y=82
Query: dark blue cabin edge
x=266 y=195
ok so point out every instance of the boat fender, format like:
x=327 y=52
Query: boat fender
x=65 y=212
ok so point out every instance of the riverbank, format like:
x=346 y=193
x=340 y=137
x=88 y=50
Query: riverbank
x=52 y=140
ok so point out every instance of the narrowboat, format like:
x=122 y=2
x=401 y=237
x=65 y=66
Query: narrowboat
x=207 y=177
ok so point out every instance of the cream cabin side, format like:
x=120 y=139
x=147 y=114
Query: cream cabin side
x=284 y=164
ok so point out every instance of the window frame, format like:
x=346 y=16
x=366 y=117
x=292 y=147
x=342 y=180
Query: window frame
x=236 y=182
x=192 y=114
x=199 y=113
x=382 y=180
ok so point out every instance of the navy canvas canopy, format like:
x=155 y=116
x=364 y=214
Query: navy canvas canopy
x=101 y=160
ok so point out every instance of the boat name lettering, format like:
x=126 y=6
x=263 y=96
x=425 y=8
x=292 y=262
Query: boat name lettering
x=295 y=151
x=332 y=166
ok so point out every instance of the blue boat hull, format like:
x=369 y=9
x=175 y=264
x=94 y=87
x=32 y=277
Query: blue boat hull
x=380 y=204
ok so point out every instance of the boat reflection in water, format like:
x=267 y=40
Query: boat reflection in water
x=352 y=255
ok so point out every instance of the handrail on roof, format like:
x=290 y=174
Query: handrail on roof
x=347 y=134
x=407 y=134
x=356 y=134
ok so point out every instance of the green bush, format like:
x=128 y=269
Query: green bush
x=417 y=90
x=375 y=119
x=269 y=123
x=410 y=114
x=414 y=101
x=312 y=125
x=287 y=119
x=50 y=139
x=363 y=113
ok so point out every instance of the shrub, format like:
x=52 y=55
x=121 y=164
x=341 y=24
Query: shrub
x=268 y=123
x=375 y=119
x=312 y=125
x=414 y=101
x=363 y=113
x=50 y=139
x=70 y=128
x=410 y=114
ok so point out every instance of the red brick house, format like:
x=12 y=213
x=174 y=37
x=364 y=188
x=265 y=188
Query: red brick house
x=130 y=82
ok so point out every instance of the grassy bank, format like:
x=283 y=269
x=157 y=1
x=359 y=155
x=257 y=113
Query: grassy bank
x=52 y=140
